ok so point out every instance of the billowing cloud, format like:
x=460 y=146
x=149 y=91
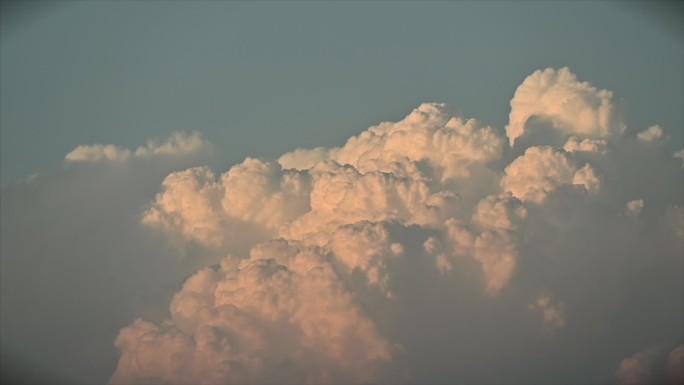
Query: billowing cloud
x=573 y=107
x=257 y=320
x=422 y=250
x=328 y=250
x=541 y=170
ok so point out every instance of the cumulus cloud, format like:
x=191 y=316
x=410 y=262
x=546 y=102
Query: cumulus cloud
x=573 y=107
x=651 y=134
x=330 y=252
x=246 y=321
x=422 y=250
x=543 y=169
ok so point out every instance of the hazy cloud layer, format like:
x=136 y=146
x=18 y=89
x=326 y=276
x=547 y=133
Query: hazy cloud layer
x=77 y=263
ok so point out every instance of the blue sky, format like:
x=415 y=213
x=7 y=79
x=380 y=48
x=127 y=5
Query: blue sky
x=306 y=74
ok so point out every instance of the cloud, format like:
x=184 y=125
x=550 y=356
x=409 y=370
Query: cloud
x=654 y=365
x=77 y=264
x=634 y=207
x=96 y=152
x=651 y=134
x=330 y=255
x=543 y=169
x=244 y=322
x=424 y=250
x=675 y=365
x=553 y=315
x=178 y=144
x=572 y=107
x=636 y=370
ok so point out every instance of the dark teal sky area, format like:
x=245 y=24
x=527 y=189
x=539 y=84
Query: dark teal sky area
x=263 y=78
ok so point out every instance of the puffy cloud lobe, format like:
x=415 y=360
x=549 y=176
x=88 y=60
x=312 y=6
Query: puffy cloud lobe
x=541 y=170
x=253 y=321
x=427 y=134
x=636 y=370
x=574 y=144
x=365 y=246
x=247 y=204
x=651 y=134
x=573 y=107
x=312 y=304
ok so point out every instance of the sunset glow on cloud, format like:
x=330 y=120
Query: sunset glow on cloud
x=342 y=265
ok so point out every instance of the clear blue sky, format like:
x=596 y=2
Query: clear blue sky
x=263 y=78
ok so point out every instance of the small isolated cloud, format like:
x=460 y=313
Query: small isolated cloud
x=553 y=314
x=634 y=207
x=651 y=134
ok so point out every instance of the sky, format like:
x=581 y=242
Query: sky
x=342 y=192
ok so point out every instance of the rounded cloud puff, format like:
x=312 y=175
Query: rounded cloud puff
x=572 y=107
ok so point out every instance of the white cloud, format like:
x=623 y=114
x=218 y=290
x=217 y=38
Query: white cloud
x=408 y=254
x=257 y=321
x=651 y=134
x=343 y=264
x=541 y=170
x=634 y=207
x=178 y=144
x=96 y=152
x=573 y=107
x=574 y=144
